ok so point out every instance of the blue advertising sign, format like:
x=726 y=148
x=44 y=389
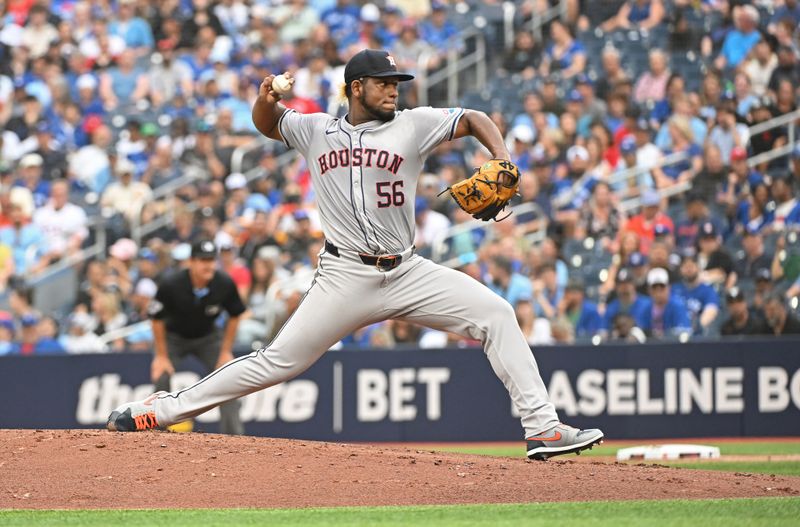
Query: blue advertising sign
x=651 y=391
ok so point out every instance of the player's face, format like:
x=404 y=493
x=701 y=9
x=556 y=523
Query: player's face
x=378 y=97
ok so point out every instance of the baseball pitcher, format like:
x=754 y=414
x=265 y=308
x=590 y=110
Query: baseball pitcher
x=364 y=168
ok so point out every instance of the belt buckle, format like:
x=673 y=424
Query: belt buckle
x=391 y=262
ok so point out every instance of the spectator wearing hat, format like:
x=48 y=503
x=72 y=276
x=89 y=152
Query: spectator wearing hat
x=31 y=342
x=639 y=266
x=715 y=262
x=754 y=257
x=186 y=308
x=700 y=298
x=519 y=143
x=580 y=312
x=26 y=242
x=30 y=171
x=80 y=336
x=741 y=39
x=778 y=318
x=741 y=179
x=62 y=223
x=126 y=196
x=687 y=230
x=54 y=160
x=741 y=319
x=644 y=223
x=629 y=151
x=627 y=301
x=668 y=315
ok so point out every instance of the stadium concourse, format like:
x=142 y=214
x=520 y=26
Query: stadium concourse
x=653 y=206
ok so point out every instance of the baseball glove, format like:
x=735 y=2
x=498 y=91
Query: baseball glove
x=487 y=192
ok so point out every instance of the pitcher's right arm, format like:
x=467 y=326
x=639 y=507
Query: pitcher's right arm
x=267 y=110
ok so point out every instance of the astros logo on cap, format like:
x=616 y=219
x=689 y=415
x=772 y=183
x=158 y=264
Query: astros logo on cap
x=391 y=60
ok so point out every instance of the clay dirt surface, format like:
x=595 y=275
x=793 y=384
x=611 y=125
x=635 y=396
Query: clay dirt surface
x=85 y=469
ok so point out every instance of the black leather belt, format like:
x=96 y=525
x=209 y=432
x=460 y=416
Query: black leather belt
x=381 y=261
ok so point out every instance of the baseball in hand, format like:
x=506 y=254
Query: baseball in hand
x=281 y=85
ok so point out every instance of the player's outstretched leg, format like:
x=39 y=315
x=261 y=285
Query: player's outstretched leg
x=442 y=298
x=318 y=323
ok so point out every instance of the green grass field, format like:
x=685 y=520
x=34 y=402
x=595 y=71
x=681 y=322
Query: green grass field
x=769 y=512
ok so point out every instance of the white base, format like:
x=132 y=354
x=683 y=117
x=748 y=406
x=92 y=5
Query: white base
x=661 y=452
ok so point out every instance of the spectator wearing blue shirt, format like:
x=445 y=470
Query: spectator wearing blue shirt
x=683 y=141
x=755 y=212
x=741 y=40
x=668 y=315
x=787 y=206
x=32 y=342
x=628 y=301
x=438 y=31
x=701 y=299
x=134 y=31
x=565 y=55
x=505 y=282
x=582 y=314
x=790 y=9
x=342 y=20
x=27 y=241
x=547 y=293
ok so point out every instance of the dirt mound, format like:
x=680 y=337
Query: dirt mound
x=97 y=469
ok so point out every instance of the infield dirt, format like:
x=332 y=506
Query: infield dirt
x=84 y=469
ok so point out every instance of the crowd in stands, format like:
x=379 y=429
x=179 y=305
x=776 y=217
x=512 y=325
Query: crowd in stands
x=117 y=113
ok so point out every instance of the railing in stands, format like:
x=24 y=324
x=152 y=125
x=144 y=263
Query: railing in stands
x=440 y=246
x=790 y=119
x=540 y=19
x=453 y=66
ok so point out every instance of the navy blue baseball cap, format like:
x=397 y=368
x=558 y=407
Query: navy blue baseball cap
x=637 y=259
x=708 y=229
x=373 y=63
x=574 y=96
x=628 y=145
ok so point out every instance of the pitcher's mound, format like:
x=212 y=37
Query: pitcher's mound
x=98 y=469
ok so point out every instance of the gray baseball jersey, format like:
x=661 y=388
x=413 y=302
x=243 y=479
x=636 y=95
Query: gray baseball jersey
x=365 y=179
x=365 y=176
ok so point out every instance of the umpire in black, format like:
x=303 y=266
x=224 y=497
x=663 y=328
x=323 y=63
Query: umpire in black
x=184 y=314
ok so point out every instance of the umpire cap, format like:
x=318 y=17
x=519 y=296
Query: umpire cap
x=372 y=63
x=204 y=249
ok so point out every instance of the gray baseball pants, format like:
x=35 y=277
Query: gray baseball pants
x=346 y=295
x=206 y=349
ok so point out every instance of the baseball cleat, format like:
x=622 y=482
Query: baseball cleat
x=135 y=416
x=562 y=439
